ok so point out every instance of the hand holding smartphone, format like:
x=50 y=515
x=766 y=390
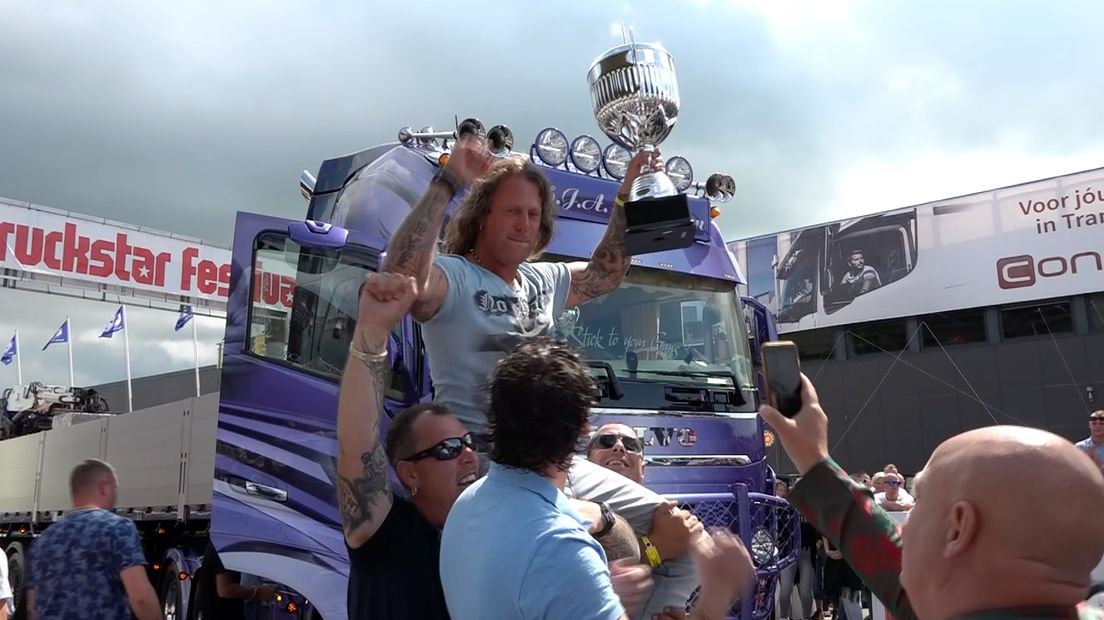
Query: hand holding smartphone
x=782 y=375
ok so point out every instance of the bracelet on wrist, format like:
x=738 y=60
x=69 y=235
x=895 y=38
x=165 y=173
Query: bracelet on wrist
x=651 y=553
x=449 y=178
x=366 y=357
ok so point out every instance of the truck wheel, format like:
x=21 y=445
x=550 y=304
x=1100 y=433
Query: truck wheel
x=169 y=592
x=17 y=571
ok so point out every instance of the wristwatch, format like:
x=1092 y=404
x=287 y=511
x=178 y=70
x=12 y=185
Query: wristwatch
x=607 y=519
x=449 y=178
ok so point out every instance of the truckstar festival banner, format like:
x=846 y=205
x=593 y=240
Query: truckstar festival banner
x=1016 y=244
x=71 y=249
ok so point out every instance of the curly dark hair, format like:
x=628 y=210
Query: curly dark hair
x=540 y=401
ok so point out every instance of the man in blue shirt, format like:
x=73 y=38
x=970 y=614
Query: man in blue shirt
x=90 y=563
x=1093 y=445
x=513 y=546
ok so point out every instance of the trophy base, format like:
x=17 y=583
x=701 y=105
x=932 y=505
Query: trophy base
x=658 y=224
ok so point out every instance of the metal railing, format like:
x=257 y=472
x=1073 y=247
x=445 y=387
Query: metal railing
x=768 y=526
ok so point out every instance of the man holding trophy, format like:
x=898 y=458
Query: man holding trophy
x=483 y=295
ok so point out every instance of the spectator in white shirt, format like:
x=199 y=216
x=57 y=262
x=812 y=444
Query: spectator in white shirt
x=895 y=498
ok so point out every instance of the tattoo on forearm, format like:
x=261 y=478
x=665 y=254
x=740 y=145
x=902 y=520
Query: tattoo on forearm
x=609 y=263
x=621 y=541
x=381 y=377
x=413 y=245
x=358 y=496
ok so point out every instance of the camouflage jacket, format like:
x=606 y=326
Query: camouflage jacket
x=871 y=542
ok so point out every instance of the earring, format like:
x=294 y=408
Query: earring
x=413 y=491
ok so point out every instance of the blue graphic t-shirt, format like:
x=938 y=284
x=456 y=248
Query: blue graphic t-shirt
x=481 y=320
x=75 y=565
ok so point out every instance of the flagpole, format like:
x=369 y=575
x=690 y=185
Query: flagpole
x=18 y=359
x=195 y=353
x=126 y=352
x=69 y=338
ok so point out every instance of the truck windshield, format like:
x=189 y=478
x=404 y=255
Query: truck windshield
x=679 y=327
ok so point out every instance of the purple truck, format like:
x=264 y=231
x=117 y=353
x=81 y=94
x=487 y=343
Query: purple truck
x=671 y=350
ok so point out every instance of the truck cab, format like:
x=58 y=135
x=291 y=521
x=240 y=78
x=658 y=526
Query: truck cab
x=669 y=349
x=812 y=279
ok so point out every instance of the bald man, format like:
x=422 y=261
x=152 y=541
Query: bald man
x=1022 y=545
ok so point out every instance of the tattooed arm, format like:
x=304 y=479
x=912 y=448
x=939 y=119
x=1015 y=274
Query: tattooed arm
x=363 y=485
x=610 y=261
x=414 y=244
x=607 y=267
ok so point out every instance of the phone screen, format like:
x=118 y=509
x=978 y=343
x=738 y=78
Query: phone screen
x=783 y=374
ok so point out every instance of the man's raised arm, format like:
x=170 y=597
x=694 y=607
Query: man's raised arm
x=610 y=261
x=414 y=244
x=839 y=508
x=363 y=484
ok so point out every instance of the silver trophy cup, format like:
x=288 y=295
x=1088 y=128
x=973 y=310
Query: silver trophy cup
x=636 y=104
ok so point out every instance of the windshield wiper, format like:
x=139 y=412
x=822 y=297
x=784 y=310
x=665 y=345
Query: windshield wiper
x=727 y=374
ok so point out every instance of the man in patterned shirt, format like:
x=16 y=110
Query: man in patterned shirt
x=1021 y=546
x=90 y=563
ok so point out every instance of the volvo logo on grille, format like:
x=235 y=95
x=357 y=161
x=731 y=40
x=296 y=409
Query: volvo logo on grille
x=665 y=435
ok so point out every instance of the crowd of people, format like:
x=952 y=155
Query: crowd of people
x=498 y=500
x=826 y=584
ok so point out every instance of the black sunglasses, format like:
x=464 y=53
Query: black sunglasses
x=632 y=444
x=445 y=450
x=1096 y=418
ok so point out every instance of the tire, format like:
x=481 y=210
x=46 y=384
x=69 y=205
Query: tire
x=169 y=593
x=17 y=571
x=194 y=612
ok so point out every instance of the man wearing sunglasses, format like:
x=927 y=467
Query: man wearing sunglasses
x=894 y=499
x=1093 y=445
x=394 y=542
x=616 y=447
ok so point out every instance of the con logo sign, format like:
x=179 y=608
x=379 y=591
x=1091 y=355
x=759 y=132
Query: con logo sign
x=1025 y=270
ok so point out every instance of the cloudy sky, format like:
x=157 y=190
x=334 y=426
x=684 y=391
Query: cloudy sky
x=175 y=115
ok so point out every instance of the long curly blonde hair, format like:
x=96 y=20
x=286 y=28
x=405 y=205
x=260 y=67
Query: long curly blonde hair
x=463 y=228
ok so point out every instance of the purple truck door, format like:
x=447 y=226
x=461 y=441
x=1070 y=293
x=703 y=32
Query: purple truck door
x=290 y=316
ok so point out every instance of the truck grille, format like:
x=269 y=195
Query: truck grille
x=770 y=529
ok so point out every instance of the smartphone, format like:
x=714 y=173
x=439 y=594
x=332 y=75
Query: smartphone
x=782 y=374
